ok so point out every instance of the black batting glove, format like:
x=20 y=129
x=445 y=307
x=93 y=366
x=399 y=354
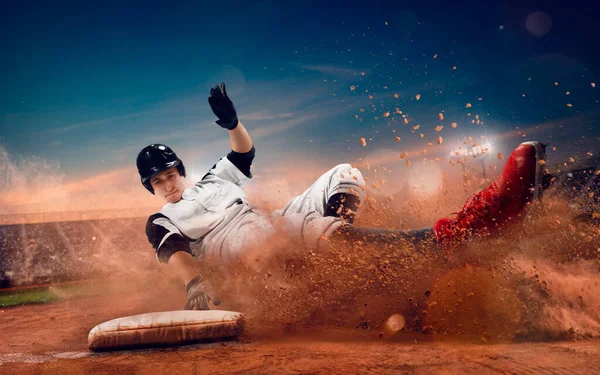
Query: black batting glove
x=223 y=107
x=199 y=295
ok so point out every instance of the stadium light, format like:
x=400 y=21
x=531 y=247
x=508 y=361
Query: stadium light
x=474 y=151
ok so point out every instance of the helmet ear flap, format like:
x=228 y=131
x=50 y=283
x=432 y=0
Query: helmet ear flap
x=148 y=186
x=181 y=169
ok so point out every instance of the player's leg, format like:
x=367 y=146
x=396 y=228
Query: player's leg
x=505 y=202
x=336 y=193
x=422 y=239
x=314 y=216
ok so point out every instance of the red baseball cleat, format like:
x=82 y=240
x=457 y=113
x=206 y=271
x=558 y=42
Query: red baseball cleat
x=503 y=202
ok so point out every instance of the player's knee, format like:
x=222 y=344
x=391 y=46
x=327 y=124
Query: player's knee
x=349 y=176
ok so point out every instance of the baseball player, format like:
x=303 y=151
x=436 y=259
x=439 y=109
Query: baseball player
x=214 y=217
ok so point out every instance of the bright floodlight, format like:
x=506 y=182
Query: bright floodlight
x=472 y=151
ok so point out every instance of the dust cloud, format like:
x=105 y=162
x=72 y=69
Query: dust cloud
x=534 y=282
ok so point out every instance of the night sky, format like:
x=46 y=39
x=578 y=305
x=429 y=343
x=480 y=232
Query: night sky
x=87 y=85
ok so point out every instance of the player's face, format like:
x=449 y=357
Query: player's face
x=168 y=184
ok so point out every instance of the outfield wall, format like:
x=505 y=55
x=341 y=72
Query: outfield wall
x=49 y=217
x=41 y=253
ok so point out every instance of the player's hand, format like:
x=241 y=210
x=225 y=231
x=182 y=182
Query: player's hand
x=223 y=107
x=199 y=295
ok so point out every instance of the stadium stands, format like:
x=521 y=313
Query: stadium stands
x=40 y=253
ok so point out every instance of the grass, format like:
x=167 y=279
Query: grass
x=62 y=291
x=22 y=297
x=46 y=294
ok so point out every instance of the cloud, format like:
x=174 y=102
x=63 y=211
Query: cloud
x=268 y=130
x=31 y=193
x=37 y=185
x=261 y=116
x=86 y=124
x=284 y=177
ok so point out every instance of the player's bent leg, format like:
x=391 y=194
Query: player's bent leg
x=312 y=217
x=347 y=201
x=345 y=179
x=330 y=193
x=503 y=203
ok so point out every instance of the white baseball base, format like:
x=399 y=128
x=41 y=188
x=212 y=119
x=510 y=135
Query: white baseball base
x=165 y=328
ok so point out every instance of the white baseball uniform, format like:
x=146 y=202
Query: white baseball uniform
x=214 y=217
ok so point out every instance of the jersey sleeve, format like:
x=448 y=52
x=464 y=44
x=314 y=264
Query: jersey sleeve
x=165 y=238
x=235 y=167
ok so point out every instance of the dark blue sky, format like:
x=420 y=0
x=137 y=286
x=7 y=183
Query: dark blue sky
x=88 y=84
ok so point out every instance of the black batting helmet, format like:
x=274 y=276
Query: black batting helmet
x=154 y=159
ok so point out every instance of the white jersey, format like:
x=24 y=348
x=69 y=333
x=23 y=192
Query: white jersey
x=214 y=217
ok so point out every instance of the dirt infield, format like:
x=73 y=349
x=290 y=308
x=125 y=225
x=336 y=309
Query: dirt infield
x=52 y=339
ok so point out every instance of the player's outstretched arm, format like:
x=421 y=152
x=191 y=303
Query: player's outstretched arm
x=198 y=289
x=224 y=109
x=184 y=266
x=240 y=139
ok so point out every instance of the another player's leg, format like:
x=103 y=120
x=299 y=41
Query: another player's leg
x=503 y=203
